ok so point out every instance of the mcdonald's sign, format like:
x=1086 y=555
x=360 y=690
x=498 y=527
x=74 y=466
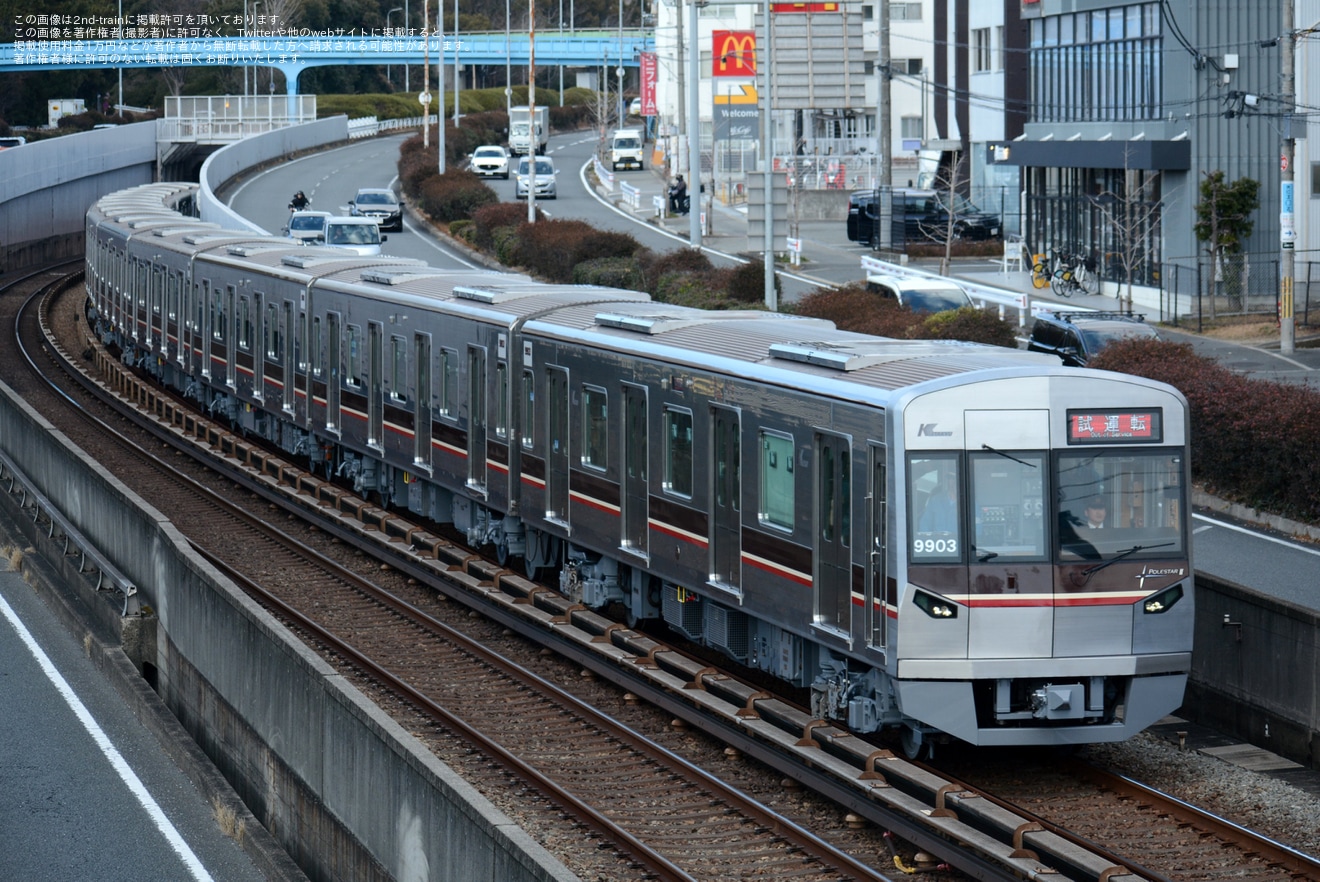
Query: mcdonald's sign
x=733 y=54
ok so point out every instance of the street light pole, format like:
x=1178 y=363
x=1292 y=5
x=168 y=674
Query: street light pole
x=694 y=129
x=532 y=137
x=508 y=64
x=407 y=28
x=766 y=58
x=457 y=72
x=388 y=75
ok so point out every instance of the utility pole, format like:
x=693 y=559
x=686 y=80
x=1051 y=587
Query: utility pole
x=764 y=60
x=884 y=124
x=694 y=128
x=1287 y=233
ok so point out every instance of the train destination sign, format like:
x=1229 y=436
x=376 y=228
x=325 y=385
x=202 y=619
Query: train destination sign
x=1104 y=426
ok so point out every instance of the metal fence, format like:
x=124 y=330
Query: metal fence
x=1201 y=289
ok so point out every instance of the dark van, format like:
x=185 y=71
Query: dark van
x=919 y=216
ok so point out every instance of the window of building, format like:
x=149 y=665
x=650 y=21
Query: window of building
x=905 y=12
x=678 y=451
x=910 y=127
x=595 y=415
x=1096 y=66
x=981 y=53
x=777 y=490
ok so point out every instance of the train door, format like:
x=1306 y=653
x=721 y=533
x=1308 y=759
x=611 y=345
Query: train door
x=833 y=516
x=155 y=314
x=477 y=418
x=726 y=499
x=636 y=490
x=422 y=401
x=877 y=598
x=333 y=371
x=556 y=445
x=375 y=386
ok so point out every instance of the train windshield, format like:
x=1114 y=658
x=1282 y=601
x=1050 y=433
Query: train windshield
x=1107 y=503
x=1115 y=503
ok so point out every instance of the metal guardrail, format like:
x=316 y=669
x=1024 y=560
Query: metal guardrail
x=30 y=499
x=604 y=175
x=632 y=196
x=983 y=295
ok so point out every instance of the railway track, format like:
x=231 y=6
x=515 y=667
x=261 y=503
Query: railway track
x=1078 y=860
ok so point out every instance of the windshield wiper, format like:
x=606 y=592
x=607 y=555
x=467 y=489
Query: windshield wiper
x=1030 y=465
x=1122 y=554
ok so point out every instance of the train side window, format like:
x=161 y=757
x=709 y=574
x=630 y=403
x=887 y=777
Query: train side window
x=314 y=347
x=527 y=417
x=243 y=321
x=595 y=425
x=274 y=341
x=777 y=486
x=448 y=383
x=354 y=377
x=398 y=369
x=219 y=320
x=678 y=451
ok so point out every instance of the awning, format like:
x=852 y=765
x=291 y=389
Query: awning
x=1143 y=155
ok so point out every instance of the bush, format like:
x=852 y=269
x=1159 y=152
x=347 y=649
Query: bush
x=1234 y=421
x=968 y=323
x=495 y=216
x=656 y=266
x=552 y=248
x=746 y=282
x=611 y=272
x=853 y=308
x=455 y=195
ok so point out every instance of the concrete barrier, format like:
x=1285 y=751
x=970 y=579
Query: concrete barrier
x=341 y=786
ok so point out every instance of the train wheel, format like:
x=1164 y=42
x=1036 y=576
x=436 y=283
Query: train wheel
x=914 y=744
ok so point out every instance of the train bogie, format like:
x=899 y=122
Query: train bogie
x=903 y=528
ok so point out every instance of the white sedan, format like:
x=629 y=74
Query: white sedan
x=491 y=161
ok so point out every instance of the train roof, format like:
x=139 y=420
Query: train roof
x=780 y=349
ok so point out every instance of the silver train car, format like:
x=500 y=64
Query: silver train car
x=946 y=540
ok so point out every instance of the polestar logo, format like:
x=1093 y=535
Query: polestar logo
x=1153 y=572
x=927 y=430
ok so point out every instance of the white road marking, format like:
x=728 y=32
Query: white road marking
x=1295 y=546
x=117 y=762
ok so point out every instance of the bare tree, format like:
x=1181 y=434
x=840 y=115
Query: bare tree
x=1131 y=215
x=949 y=230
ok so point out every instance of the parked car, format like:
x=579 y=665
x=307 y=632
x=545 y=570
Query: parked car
x=360 y=235
x=545 y=178
x=920 y=294
x=379 y=204
x=1075 y=337
x=307 y=227
x=919 y=216
x=491 y=161
x=635 y=107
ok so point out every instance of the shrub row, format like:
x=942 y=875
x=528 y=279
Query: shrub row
x=1252 y=440
x=853 y=308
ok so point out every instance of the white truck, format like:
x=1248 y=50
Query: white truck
x=528 y=135
x=626 y=149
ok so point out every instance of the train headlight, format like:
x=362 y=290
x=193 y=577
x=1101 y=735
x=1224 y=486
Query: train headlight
x=1162 y=602
x=935 y=607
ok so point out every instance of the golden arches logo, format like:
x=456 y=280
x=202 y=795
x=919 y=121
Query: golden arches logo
x=734 y=54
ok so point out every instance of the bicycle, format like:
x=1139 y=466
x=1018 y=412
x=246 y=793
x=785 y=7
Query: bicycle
x=1043 y=270
x=1074 y=274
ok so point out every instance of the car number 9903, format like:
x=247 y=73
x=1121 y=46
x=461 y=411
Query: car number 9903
x=934 y=546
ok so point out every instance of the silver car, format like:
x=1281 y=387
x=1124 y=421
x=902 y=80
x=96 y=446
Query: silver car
x=545 y=178
x=360 y=235
x=307 y=227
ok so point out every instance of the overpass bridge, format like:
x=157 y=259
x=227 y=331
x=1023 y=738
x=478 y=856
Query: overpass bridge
x=293 y=53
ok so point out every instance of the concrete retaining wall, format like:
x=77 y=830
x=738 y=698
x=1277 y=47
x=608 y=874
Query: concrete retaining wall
x=47 y=186
x=1256 y=670
x=345 y=791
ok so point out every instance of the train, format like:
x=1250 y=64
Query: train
x=903 y=530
